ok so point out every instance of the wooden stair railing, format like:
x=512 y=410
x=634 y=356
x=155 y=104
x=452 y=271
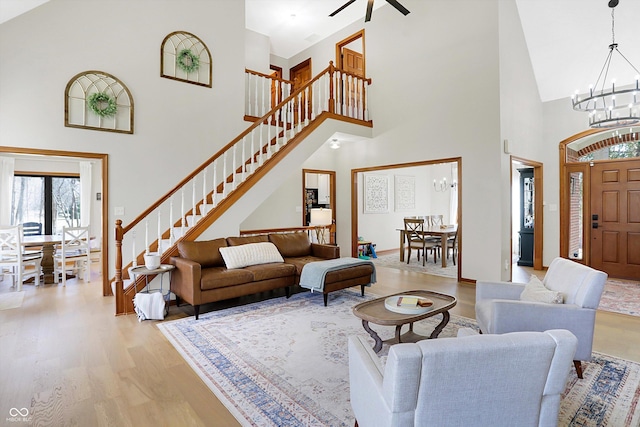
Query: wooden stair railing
x=221 y=180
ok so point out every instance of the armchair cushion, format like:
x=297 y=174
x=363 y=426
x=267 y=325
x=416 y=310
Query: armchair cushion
x=536 y=291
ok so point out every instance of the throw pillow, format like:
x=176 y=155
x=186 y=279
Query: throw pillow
x=536 y=291
x=250 y=254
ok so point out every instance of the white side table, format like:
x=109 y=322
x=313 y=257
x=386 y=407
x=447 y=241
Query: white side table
x=141 y=270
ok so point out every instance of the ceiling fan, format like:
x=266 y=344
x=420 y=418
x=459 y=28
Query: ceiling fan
x=367 y=18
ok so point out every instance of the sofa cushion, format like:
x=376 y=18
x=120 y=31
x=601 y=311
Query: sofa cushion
x=291 y=244
x=203 y=252
x=250 y=254
x=535 y=291
x=243 y=240
x=221 y=277
x=271 y=271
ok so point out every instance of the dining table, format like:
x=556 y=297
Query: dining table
x=48 y=243
x=444 y=231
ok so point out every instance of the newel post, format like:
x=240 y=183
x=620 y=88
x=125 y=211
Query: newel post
x=118 y=278
x=332 y=101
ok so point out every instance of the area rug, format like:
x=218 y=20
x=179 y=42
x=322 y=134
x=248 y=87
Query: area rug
x=284 y=362
x=393 y=261
x=621 y=296
x=11 y=300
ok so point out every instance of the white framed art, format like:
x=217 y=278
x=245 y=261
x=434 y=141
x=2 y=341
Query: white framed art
x=404 y=192
x=376 y=193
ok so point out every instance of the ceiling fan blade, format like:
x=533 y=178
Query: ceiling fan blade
x=369 y=10
x=338 y=10
x=398 y=6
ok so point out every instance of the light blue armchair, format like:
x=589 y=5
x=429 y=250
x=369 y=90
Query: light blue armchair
x=478 y=380
x=500 y=310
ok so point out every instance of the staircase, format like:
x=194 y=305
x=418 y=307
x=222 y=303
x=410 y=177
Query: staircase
x=232 y=179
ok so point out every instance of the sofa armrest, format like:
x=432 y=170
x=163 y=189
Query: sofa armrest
x=365 y=383
x=185 y=279
x=498 y=290
x=325 y=251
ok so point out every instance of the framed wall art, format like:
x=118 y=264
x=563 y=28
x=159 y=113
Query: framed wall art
x=376 y=193
x=404 y=192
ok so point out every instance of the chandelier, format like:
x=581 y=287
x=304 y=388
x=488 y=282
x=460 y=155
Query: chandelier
x=610 y=108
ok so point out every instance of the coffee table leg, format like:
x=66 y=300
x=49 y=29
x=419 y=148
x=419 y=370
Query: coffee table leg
x=441 y=325
x=374 y=335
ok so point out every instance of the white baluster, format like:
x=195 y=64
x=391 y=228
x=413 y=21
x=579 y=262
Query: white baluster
x=233 y=166
x=243 y=162
x=264 y=98
x=182 y=213
x=256 y=96
x=309 y=105
x=224 y=174
x=299 y=111
x=366 y=101
x=204 y=190
x=193 y=200
x=268 y=145
x=215 y=186
x=133 y=249
x=247 y=99
x=171 y=235
x=146 y=236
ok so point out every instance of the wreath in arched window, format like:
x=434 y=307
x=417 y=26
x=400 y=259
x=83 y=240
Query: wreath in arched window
x=186 y=58
x=99 y=101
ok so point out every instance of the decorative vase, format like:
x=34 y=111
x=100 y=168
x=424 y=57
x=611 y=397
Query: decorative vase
x=152 y=260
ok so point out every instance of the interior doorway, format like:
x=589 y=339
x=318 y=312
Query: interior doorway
x=390 y=183
x=526 y=213
x=318 y=199
x=103 y=193
x=350 y=54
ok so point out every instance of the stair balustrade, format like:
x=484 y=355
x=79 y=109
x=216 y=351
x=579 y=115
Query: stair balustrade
x=199 y=199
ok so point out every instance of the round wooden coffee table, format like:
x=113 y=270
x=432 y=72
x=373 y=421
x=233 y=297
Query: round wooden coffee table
x=375 y=311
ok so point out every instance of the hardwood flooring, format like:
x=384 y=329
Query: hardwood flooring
x=70 y=361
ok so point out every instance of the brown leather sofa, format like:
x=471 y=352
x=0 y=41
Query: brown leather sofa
x=201 y=276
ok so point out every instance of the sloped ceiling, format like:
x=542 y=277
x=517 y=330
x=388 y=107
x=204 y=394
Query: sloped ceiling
x=567 y=39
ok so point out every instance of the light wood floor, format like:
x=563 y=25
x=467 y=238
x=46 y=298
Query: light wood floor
x=67 y=358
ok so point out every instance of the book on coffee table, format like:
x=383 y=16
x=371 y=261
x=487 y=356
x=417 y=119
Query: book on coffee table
x=407 y=301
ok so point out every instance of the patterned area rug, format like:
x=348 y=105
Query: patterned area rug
x=393 y=261
x=621 y=296
x=284 y=362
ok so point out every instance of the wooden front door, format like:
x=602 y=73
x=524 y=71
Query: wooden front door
x=300 y=75
x=353 y=63
x=615 y=218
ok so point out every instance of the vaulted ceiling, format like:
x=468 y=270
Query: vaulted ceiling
x=567 y=39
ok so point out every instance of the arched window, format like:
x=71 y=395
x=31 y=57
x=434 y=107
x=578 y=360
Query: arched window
x=185 y=58
x=99 y=101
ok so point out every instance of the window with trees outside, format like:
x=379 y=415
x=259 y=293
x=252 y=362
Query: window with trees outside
x=53 y=201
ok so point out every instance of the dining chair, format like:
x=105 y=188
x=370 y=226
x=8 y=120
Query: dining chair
x=452 y=245
x=73 y=254
x=95 y=251
x=13 y=260
x=416 y=239
x=31 y=228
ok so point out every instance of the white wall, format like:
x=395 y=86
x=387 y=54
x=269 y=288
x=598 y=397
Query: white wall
x=256 y=52
x=177 y=125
